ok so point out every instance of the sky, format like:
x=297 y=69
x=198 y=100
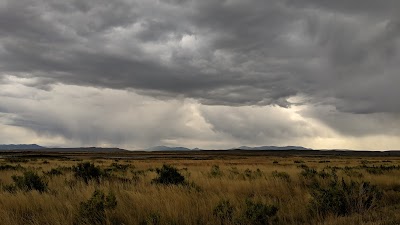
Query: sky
x=200 y=73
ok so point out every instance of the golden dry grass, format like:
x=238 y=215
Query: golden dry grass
x=141 y=200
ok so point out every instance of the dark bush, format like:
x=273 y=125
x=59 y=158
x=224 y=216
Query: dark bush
x=308 y=173
x=341 y=198
x=169 y=175
x=87 y=171
x=224 y=211
x=30 y=181
x=11 y=167
x=93 y=211
x=323 y=174
x=259 y=213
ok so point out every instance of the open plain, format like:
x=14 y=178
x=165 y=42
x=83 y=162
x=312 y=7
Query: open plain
x=200 y=187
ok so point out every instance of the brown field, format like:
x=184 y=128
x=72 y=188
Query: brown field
x=220 y=188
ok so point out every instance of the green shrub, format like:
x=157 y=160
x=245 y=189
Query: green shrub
x=30 y=181
x=93 y=211
x=341 y=198
x=11 y=167
x=215 y=171
x=9 y=188
x=87 y=171
x=224 y=211
x=169 y=175
x=308 y=173
x=257 y=213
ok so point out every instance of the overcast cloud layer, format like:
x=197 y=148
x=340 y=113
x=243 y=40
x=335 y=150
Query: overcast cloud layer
x=322 y=74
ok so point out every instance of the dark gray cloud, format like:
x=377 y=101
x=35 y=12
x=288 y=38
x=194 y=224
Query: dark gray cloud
x=229 y=52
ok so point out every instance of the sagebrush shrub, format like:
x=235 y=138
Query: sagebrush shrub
x=169 y=175
x=258 y=213
x=87 y=171
x=11 y=167
x=93 y=211
x=224 y=211
x=341 y=198
x=215 y=171
x=30 y=181
x=309 y=173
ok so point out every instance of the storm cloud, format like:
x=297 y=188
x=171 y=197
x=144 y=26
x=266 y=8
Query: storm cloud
x=336 y=60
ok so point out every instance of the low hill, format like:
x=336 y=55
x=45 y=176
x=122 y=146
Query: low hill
x=22 y=147
x=166 y=148
x=273 y=148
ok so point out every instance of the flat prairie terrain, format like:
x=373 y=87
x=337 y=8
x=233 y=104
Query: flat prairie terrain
x=202 y=187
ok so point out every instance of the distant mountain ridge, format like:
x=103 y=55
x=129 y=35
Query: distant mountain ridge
x=259 y=148
x=21 y=147
x=28 y=147
x=166 y=148
x=38 y=148
x=273 y=148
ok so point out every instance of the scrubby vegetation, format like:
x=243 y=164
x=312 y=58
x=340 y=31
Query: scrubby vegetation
x=231 y=191
x=168 y=175
x=93 y=211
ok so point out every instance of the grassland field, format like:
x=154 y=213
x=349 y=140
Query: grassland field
x=199 y=188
